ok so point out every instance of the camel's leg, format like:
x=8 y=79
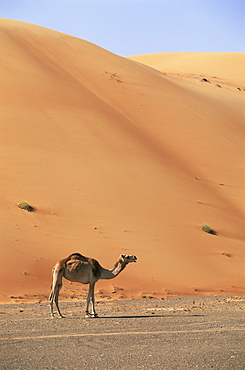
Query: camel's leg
x=54 y=295
x=51 y=296
x=51 y=299
x=56 y=298
x=90 y=298
x=87 y=314
x=94 y=314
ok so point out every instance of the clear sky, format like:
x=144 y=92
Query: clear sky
x=131 y=27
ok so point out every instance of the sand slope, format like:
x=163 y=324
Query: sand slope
x=117 y=157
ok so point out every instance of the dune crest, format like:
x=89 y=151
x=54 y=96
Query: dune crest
x=118 y=157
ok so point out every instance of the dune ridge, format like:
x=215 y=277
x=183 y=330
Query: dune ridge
x=119 y=156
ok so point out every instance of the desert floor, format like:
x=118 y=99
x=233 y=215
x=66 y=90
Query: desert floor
x=174 y=333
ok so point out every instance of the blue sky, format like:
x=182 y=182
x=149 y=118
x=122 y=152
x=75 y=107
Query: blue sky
x=131 y=27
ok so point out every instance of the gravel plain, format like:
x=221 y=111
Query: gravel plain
x=174 y=333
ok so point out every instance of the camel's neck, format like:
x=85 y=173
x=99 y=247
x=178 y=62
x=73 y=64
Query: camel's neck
x=110 y=274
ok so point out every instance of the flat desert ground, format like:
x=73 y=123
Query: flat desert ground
x=118 y=156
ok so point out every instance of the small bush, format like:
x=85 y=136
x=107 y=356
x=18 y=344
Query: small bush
x=207 y=229
x=26 y=206
x=226 y=254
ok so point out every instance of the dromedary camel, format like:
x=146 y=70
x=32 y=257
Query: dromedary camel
x=83 y=270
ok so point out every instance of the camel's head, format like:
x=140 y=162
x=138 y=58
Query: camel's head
x=127 y=258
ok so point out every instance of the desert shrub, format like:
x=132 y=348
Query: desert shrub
x=26 y=206
x=226 y=254
x=207 y=229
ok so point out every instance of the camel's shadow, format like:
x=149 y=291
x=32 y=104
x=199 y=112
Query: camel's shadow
x=144 y=316
x=111 y=317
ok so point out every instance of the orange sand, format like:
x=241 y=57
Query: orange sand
x=119 y=158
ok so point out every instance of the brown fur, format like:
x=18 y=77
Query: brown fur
x=79 y=257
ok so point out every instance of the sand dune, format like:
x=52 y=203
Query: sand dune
x=226 y=68
x=118 y=157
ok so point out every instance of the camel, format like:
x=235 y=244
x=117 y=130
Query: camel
x=78 y=268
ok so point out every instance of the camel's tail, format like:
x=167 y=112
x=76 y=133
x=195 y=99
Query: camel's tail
x=51 y=296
